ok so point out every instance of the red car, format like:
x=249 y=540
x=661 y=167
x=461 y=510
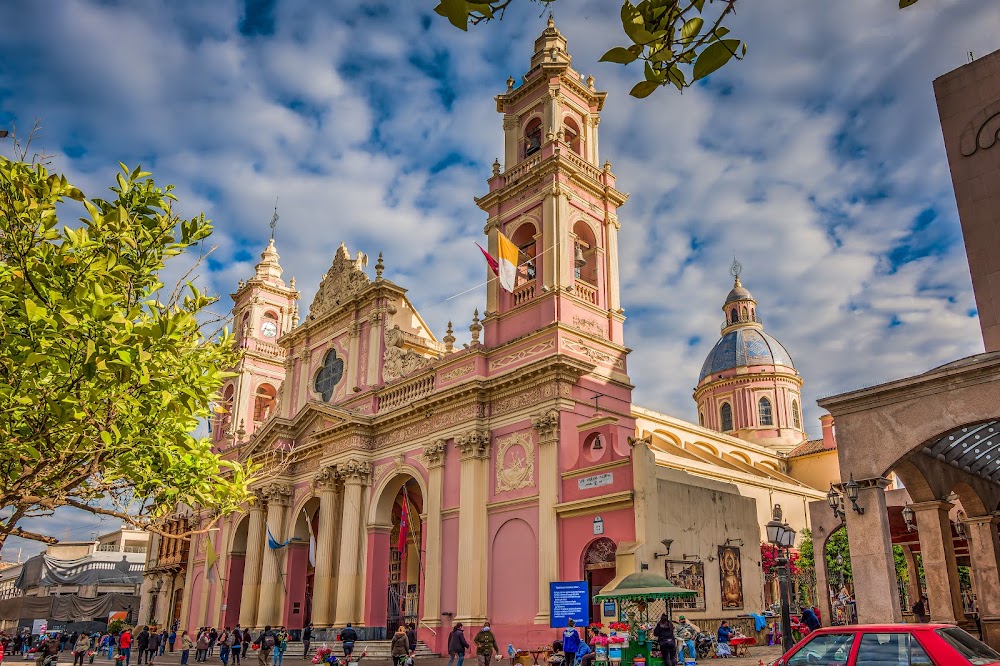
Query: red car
x=889 y=645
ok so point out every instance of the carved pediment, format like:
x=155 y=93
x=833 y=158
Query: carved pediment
x=341 y=283
x=398 y=361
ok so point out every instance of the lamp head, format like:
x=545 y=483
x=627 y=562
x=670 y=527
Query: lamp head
x=852 y=488
x=833 y=498
x=666 y=544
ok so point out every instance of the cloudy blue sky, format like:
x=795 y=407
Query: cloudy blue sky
x=818 y=160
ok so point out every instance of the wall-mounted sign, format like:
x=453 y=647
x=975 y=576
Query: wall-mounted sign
x=598 y=525
x=596 y=481
x=568 y=599
x=609 y=609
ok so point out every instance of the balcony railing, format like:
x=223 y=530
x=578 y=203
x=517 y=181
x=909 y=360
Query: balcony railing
x=399 y=395
x=524 y=292
x=587 y=292
x=748 y=319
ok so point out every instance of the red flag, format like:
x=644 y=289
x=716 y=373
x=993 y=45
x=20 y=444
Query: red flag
x=494 y=264
x=404 y=527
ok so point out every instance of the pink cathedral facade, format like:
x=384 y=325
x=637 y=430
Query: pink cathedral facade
x=505 y=452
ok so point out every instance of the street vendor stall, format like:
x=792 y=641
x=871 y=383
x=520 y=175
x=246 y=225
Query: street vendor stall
x=636 y=603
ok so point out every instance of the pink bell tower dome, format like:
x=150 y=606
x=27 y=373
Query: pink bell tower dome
x=748 y=386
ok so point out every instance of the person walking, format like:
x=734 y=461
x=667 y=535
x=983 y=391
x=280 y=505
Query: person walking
x=663 y=632
x=142 y=643
x=80 y=648
x=486 y=645
x=224 y=646
x=237 y=643
x=280 y=645
x=457 y=645
x=400 y=647
x=265 y=646
x=153 y=648
x=213 y=636
x=201 y=654
x=186 y=646
x=306 y=640
x=571 y=643
x=163 y=642
x=172 y=639
x=348 y=637
x=125 y=645
x=246 y=642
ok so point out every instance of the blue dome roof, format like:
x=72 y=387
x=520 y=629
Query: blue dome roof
x=742 y=347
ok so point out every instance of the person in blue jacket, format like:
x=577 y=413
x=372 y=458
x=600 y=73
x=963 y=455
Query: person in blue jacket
x=571 y=643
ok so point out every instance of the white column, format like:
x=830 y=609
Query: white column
x=353 y=356
x=472 y=535
x=271 y=588
x=434 y=456
x=356 y=475
x=547 y=425
x=326 y=481
x=251 y=570
x=612 y=270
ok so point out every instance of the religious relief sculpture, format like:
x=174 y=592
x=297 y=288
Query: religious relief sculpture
x=345 y=278
x=515 y=462
x=399 y=362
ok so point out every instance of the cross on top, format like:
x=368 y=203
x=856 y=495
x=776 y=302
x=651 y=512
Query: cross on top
x=329 y=375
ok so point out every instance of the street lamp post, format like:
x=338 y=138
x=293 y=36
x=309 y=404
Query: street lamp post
x=781 y=535
x=840 y=569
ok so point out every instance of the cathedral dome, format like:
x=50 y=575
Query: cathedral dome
x=744 y=347
x=739 y=293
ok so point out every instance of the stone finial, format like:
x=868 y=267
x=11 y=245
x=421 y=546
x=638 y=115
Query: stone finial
x=607 y=167
x=291 y=283
x=551 y=21
x=561 y=135
x=510 y=83
x=241 y=431
x=550 y=135
x=449 y=339
x=496 y=167
x=241 y=284
x=476 y=327
x=379 y=267
x=295 y=315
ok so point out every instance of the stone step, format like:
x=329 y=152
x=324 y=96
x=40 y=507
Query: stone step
x=374 y=649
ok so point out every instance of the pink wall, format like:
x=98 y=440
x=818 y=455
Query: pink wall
x=449 y=564
x=234 y=589
x=192 y=597
x=513 y=582
x=576 y=533
x=296 y=571
x=377 y=585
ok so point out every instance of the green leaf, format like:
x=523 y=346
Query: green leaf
x=699 y=5
x=692 y=28
x=106 y=437
x=33 y=310
x=456 y=11
x=643 y=89
x=620 y=55
x=714 y=56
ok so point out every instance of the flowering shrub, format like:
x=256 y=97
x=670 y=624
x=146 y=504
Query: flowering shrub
x=600 y=639
x=769 y=555
x=596 y=625
x=616 y=640
x=618 y=626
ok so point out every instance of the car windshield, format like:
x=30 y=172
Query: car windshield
x=826 y=649
x=976 y=652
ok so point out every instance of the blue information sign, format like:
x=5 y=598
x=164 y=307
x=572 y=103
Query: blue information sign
x=610 y=610
x=569 y=600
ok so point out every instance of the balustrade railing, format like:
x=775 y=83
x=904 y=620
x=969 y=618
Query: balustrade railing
x=524 y=292
x=586 y=291
x=518 y=171
x=399 y=395
x=578 y=161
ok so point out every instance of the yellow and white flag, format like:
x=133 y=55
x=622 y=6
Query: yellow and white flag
x=506 y=262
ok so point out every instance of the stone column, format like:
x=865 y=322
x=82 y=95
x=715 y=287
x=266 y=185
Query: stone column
x=984 y=551
x=304 y=376
x=356 y=475
x=472 y=533
x=937 y=551
x=271 y=588
x=912 y=574
x=434 y=457
x=326 y=481
x=822 y=579
x=353 y=355
x=547 y=425
x=252 y=568
x=872 y=560
x=612 y=269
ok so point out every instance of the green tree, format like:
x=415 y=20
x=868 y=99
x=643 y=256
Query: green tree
x=678 y=41
x=104 y=374
x=837 y=545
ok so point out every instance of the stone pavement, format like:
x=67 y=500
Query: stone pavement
x=767 y=654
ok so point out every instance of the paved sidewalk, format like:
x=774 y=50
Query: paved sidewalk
x=757 y=654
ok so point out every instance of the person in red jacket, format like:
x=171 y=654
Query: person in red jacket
x=125 y=646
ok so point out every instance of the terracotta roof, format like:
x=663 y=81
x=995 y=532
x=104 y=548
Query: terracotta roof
x=810 y=447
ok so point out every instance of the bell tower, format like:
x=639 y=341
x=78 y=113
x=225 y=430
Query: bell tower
x=556 y=202
x=264 y=308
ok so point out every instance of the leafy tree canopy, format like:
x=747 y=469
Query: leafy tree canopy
x=678 y=41
x=104 y=375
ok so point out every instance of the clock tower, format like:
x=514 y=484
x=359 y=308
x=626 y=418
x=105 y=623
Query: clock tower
x=264 y=308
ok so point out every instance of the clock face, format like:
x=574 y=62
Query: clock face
x=269 y=329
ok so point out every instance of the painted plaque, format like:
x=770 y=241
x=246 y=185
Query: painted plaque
x=731 y=574
x=596 y=481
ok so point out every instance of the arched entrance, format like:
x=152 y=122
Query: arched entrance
x=234 y=576
x=396 y=554
x=300 y=566
x=599 y=568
